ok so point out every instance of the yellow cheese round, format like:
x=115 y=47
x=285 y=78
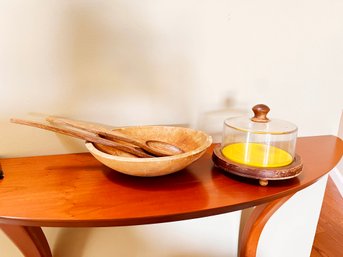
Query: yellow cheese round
x=257 y=155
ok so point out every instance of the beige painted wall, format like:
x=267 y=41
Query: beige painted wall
x=166 y=62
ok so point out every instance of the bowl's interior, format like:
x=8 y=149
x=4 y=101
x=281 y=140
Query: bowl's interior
x=186 y=139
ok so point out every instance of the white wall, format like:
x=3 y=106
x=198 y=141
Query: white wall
x=153 y=62
x=337 y=173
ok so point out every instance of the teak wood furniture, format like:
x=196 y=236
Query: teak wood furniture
x=75 y=190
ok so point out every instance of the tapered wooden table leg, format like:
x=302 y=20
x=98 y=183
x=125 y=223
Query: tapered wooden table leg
x=30 y=240
x=253 y=227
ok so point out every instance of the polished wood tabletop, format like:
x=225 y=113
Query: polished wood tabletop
x=76 y=190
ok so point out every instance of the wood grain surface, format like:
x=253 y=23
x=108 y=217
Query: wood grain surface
x=76 y=190
x=328 y=240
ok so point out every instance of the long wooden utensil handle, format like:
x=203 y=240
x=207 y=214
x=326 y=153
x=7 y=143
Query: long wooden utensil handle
x=158 y=148
x=95 y=129
x=86 y=136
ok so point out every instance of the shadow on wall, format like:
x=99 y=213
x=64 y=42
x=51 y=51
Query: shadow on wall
x=212 y=121
x=73 y=242
x=119 y=241
x=120 y=68
x=65 y=237
x=109 y=54
x=124 y=242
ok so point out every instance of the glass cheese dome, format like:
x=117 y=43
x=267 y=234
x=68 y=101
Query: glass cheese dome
x=259 y=141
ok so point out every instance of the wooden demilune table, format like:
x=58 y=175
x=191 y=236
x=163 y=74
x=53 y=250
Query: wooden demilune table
x=75 y=190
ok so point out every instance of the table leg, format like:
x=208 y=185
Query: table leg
x=253 y=227
x=31 y=241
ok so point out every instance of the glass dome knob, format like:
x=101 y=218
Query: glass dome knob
x=260 y=111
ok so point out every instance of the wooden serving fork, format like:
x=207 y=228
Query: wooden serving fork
x=85 y=135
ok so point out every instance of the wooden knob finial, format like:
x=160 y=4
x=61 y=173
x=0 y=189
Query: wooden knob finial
x=260 y=111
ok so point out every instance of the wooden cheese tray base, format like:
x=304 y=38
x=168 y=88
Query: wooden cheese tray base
x=262 y=174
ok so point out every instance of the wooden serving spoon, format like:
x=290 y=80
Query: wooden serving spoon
x=155 y=147
x=91 y=137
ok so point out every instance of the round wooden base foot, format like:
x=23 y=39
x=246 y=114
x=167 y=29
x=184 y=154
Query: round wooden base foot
x=263 y=182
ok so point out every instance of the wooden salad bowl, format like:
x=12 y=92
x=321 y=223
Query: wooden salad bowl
x=194 y=143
